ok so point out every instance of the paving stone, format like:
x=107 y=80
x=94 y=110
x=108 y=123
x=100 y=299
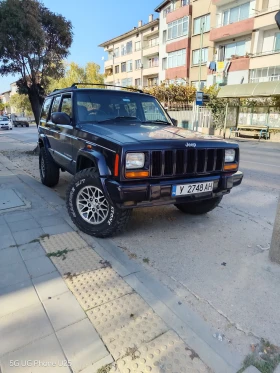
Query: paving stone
x=95 y=288
x=126 y=323
x=276 y=371
x=252 y=369
x=63 y=310
x=39 y=266
x=48 y=221
x=50 y=285
x=167 y=353
x=78 y=261
x=44 y=351
x=2 y=220
x=22 y=327
x=57 y=229
x=28 y=235
x=13 y=273
x=15 y=297
x=17 y=216
x=40 y=213
x=82 y=345
x=31 y=250
x=22 y=225
x=4 y=229
x=9 y=256
x=108 y=360
x=9 y=199
x=63 y=241
x=6 y=241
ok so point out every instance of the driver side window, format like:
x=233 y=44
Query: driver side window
x=66 y=105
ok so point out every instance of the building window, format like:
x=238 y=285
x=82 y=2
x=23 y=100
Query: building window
x=126 y=48
x=152 y=82
x=199 y=56
x=166 y=11
x=127 y=82
x=138 y=64
x=178 y=28
x=235 y=49
x=185 y=2
x=129 y=66
x=177 y=58
x=201 y=24
x=236 y=14
x=277 y=42
x=137 y=82
x=153 y=42
x=265 y=74
x=110 y=56
x=137 y=45
x=164 y=63
x=117 y=52
x=117 y=69
x=199 y=86
x=123 y=67
x=153 y=62
x=164 y=34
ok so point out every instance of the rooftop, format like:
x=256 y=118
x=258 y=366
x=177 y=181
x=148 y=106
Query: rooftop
x=135 y=30
x=161 y=5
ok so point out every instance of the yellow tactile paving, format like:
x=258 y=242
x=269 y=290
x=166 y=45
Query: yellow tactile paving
x=78 y=261
x=97 y=287
x=126 y=323
x=165 y=354
x=69 y=241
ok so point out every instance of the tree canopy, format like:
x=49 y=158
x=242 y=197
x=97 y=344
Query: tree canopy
x=21 y=104
x=33 y=43
x=77 y=74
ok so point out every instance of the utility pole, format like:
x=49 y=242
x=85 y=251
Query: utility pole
x=200 y=53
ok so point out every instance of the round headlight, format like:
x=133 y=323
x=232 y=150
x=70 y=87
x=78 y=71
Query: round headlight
x=135 y=160
x=229 y=155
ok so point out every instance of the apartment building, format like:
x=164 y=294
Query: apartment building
x=246 y=42
x=133 y=58
x=199 y=42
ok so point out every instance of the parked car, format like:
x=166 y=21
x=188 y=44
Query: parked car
x=125 y=153
x=5 y=123
x=19 y=121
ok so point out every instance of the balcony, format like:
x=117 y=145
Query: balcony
x=264 y=59
x=150 y=70
x=184 y=10
x=232 y=30
x=221 y=2
x=150 y=50
x=265 y=18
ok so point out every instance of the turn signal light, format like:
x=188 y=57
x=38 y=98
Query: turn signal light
x=230 y=167
x=116 y=166
x=136 y=174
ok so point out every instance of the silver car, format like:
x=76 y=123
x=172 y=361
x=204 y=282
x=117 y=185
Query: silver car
x=5 y=123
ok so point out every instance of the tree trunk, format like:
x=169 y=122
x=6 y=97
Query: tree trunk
x=274 y=251
x=36 y=102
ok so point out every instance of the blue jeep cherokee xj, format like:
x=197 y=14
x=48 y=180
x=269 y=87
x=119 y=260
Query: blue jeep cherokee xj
x=125 y=152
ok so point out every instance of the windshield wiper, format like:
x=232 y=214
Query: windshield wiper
x=116 y=118
x=156 y=121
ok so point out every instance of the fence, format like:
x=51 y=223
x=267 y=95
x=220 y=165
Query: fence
x=191 y=117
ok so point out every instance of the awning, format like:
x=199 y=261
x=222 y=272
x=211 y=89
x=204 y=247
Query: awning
x=265 y=89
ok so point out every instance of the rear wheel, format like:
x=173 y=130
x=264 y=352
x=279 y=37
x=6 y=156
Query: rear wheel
x=89 y=208
x=49 y=171
x=200 y=207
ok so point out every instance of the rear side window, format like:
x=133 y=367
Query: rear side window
x=46 y=109
x=55 y=105
x=66 y=105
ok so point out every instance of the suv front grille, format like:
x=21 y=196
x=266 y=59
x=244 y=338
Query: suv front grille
x=186 y=162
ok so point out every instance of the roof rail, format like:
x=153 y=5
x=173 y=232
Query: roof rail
x=74 y=85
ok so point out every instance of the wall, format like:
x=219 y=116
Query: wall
x=236 y=76
x=162 y=45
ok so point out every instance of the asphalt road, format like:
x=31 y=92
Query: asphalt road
x=23 y=134
x=217 y=263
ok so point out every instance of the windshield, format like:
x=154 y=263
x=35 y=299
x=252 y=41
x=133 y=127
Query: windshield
x=103 y=106
x=4 y=119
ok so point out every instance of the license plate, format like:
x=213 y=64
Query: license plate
x=186 y=189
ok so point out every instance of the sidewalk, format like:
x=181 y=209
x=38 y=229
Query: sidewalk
x=72 y=303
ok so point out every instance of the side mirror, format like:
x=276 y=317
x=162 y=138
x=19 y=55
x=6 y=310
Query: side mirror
x=175 y=122
x=60 y=118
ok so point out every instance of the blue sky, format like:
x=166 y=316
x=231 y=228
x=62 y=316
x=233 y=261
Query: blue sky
x=95 y=22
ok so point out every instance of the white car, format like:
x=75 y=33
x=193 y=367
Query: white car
x=5 y=123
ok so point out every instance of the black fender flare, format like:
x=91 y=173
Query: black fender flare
x=97 y=158
x=43 y=140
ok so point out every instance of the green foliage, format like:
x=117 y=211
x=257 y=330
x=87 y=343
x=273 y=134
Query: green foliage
x=73 y=73
x=21 y=103
x=33 y=42
x=217 y=105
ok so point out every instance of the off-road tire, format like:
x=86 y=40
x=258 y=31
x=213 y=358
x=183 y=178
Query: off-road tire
x=50 y=176
x=200 y=207
x=116 y=219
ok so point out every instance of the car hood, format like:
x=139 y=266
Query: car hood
x=128 y=133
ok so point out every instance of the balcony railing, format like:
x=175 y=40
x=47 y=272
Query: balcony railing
x=266 y=53
x=267 y=10
x=150 y=45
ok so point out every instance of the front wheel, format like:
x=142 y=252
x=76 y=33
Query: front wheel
x=49 y=171
x=90 y=210
x=199 y=207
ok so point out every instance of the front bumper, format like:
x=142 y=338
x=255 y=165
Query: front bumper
x=4 y=127
x=141 y=194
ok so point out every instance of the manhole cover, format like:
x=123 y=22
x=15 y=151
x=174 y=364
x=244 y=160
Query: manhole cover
x=9 y=199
